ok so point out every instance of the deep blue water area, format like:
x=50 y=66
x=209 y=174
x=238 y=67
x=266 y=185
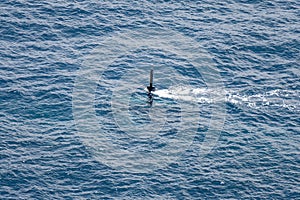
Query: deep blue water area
x=75 y=118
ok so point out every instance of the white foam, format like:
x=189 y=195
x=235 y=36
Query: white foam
x=275 y=98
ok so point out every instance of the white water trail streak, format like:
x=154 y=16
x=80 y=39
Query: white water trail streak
x=271 y=99
x=200 y=95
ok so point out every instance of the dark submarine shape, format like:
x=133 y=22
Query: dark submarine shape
x=150 y=87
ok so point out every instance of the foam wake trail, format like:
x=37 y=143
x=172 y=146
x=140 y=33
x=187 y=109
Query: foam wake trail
x=288 y=99
x=183 y=93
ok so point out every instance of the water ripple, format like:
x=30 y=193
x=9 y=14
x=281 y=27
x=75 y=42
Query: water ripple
x=255 y=45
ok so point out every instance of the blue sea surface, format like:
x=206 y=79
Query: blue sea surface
x=76 y=122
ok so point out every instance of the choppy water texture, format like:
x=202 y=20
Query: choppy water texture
x=223 y=124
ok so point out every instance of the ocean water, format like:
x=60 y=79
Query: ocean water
x=76 y=122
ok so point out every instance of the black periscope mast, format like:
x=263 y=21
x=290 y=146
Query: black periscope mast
x=151 y=88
